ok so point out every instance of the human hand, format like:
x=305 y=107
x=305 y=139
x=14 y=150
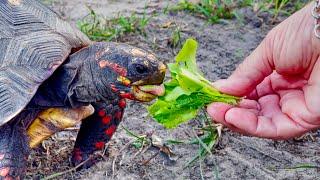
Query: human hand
x=280 y=81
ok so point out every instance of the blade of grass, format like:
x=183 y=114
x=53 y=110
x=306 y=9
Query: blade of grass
x=303 y=166
x=203 y=145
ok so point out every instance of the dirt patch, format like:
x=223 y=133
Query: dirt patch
x=222 y=47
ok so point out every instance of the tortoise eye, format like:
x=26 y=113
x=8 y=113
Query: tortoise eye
x=141 y=69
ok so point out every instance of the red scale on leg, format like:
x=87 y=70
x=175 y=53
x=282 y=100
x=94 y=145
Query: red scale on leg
x=99 y=145
x=109 y=132
x=99 y=129
x=102 y=113
x=122 y=103
x=106 y=119
x=118 y=115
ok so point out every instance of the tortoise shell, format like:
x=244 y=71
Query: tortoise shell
x=34 y=42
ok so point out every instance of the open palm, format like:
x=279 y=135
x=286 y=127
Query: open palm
x=280 y=81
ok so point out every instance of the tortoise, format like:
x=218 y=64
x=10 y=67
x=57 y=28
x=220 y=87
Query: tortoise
x=52 y=76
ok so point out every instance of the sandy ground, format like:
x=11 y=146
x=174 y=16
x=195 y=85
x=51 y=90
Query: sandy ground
x=222 y=47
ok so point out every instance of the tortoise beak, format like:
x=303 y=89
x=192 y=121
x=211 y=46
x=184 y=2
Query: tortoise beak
x=148 y=92
x=148 y=89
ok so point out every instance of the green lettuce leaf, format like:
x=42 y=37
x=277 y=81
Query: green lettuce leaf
x=187 y=91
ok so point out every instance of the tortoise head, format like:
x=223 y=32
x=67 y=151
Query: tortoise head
x=130 y=72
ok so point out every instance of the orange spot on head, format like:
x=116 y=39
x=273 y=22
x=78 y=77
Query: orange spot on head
x=106 y=120
x=109 y=132
x=122 y=103
x=103 y=63
x=118 y=115
x=152 y=57
x=4 y=171
x=114 y=66
x=100 y=53
x=113 y=88
x=102 y=113
x=99 y=145
x=137 y=52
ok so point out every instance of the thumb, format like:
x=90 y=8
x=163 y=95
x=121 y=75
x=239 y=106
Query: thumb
x=250 y=73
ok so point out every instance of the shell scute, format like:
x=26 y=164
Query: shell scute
x=34 y=42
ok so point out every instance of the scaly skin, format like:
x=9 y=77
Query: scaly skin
x=97 y=130
x=14 y=151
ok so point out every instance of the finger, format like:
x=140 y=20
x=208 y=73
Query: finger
x=217 y=112
x=311 y=91
x=261 y=126
x=250 y=73
x=248 y=121
x=276 y=82
x=271 y=108
x=264 y=88
x=270 y=105
x=293 y=104
x=249 y=104
x=277 y=127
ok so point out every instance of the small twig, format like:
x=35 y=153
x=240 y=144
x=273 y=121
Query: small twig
x=114 y=166
x=61 y=149
x=121 y=160
x=72 y=129
x=116 y=156
x=67 y=171
x=146 y=148
x=153 y=156
x=126 y=145
x=104 y=150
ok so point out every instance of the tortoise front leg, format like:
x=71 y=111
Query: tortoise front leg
x=53 y=120
x=97 y=130
x=14 y=151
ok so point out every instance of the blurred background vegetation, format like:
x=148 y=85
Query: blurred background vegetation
x=99 y=28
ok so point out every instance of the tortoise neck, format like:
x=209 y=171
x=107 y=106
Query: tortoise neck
x=86 y=82
x=60 y=88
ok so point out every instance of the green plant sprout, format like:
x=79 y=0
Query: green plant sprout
x=98 y=28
